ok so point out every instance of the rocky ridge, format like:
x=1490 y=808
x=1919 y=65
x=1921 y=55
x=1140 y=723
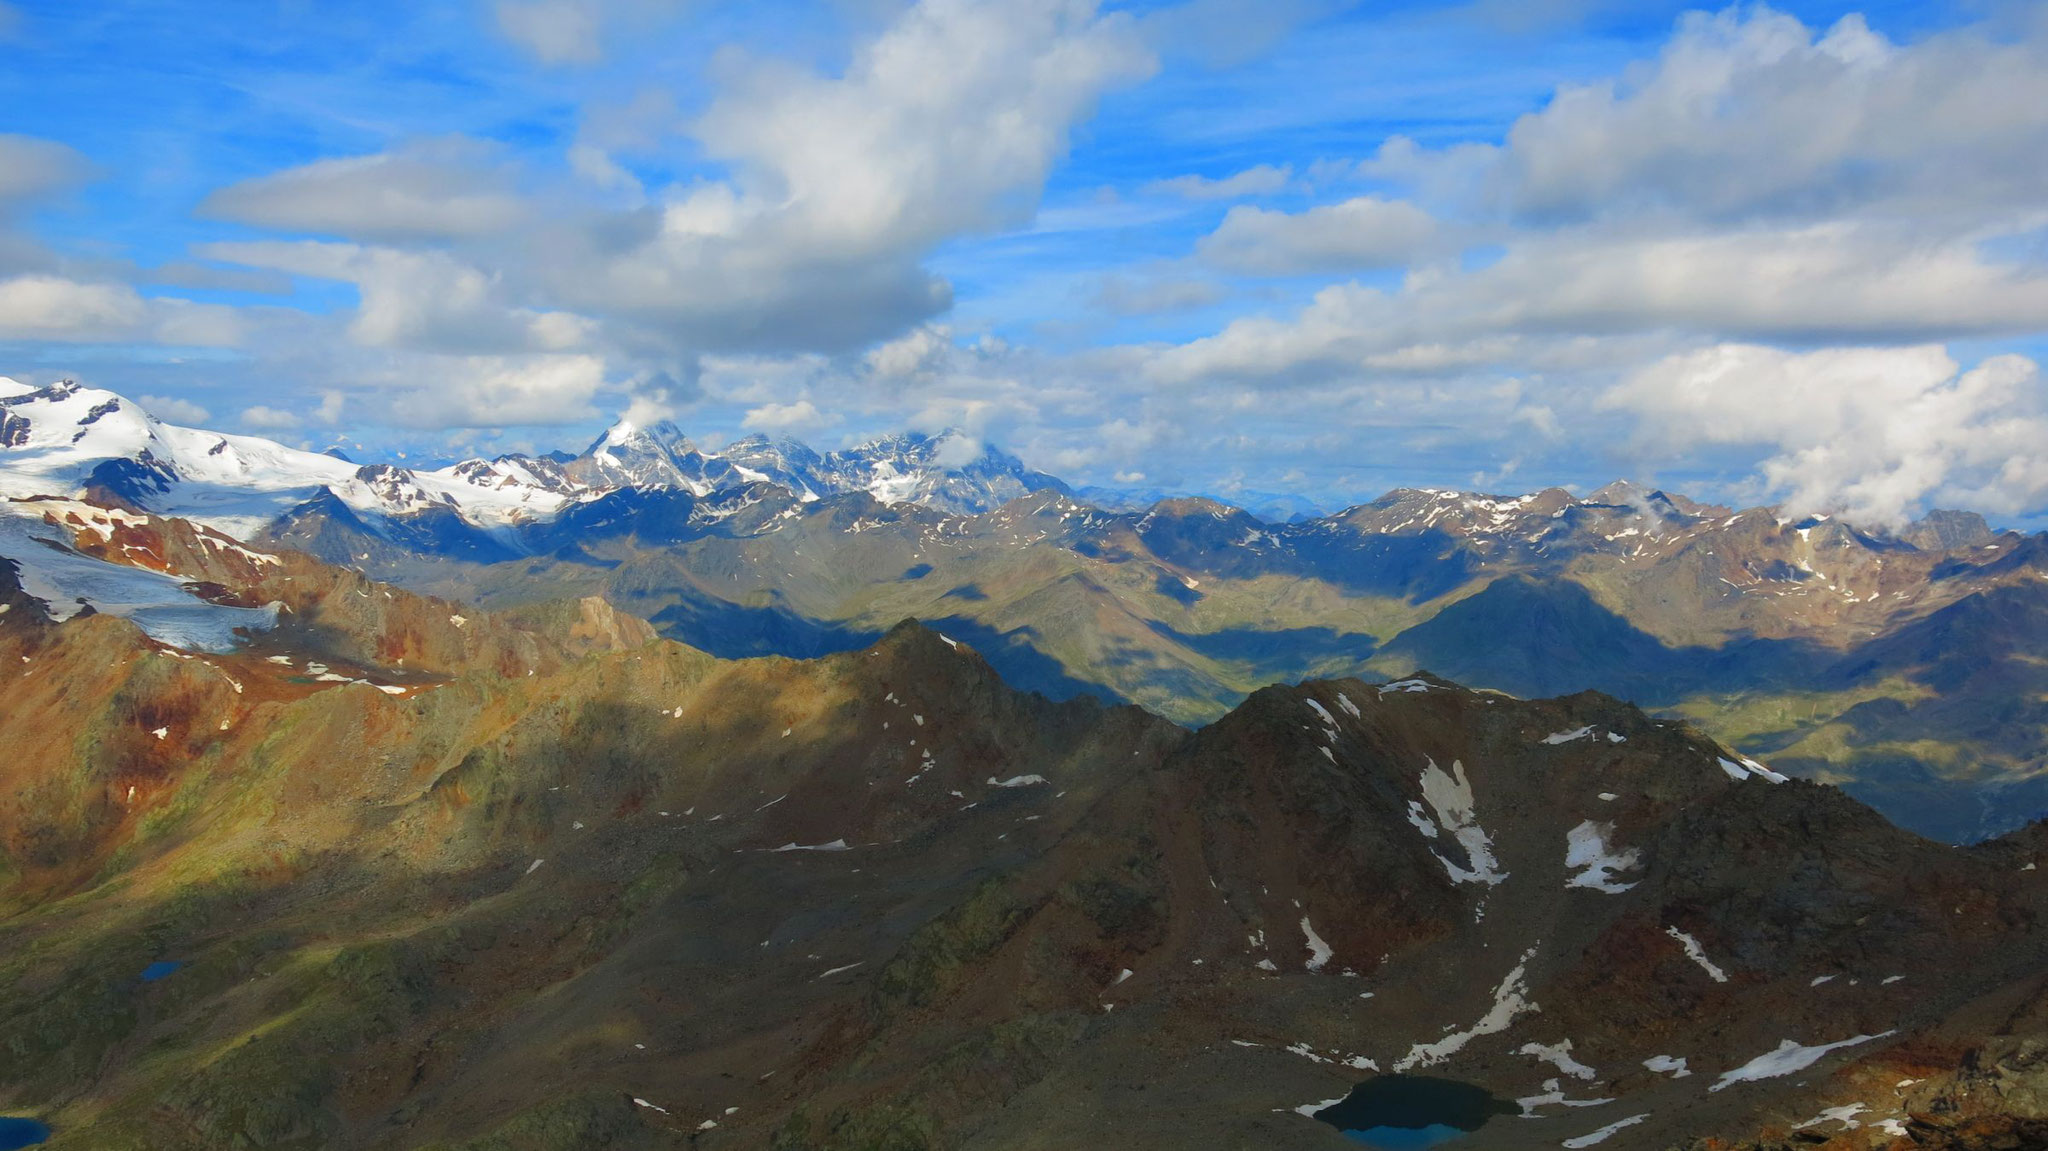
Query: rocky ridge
x=884 y=900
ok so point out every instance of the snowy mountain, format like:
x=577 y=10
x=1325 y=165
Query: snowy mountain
x=950 y=471
x=69 y=440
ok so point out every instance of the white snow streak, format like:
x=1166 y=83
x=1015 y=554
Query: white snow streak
x=1696 y=954
x=1587 y=1140
x=1789 y=1058
x=1510 y=1000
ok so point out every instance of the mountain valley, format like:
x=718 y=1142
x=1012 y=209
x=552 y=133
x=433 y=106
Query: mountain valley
x=390 y=871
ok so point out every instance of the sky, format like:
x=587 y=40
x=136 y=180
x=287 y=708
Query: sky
x=1794 y=253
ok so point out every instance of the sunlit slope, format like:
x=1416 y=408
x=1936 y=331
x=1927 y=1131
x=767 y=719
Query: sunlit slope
x=579 y=886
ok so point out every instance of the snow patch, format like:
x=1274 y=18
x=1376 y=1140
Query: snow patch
x=1667 y=1065
x=1586 y=847
x=1787 y=1059
x=1558 y=1055
x=1319 y=952
x=1748 y=767
x=1510 y=1000
x=1553 y=1096
x=1845 y=1115
x=1450 y=794
x=1600 y=1136
x=1696 y=954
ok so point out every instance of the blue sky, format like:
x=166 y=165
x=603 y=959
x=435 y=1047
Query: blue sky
x=1763 y=253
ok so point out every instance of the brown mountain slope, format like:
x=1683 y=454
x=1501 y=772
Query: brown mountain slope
x=628 y=895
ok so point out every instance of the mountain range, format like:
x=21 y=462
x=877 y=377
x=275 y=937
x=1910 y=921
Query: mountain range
x=1895 y=663
x=373 y=869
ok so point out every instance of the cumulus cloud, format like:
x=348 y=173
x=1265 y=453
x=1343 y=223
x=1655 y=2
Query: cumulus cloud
x=1263 y=180
x=1872 y=433
x=269 y=419
x=944 y=122
x=54 y=308
x=500 y=391
x=645 y=409
x=1838 y=280
x=907 y=355
x=437 y=189
x=172 y=409
x=796 y=418
x=947 y=122
x=332 y=400
x=430 y=300
x=64 y=310
x=1366 y=232
x=1748 y=112
x=32 y=168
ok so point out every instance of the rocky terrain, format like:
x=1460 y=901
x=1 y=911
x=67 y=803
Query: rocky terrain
x=1896 y=662
x=387 y=871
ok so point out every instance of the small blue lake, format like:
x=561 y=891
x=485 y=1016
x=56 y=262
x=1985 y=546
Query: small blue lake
x=21 y=1133
x=156 y=971
x=1412 y=1112
x=1405 y=1138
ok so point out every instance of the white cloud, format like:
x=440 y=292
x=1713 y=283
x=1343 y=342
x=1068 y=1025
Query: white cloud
x=269 y=419
x=1845 y=282
x=435 y=189
x=172 y=409
x=1873 y=433
x=907 y=355
x=947 y=122
x=1832 y=280
x=31 y=168
x=788 y=419
x=1366 y=232
x=1263 y=180
x=958 y=451
x=63 y=310
x=1749 y=112
x=645 y=410
x=422 y=300
x=555 y=31
x=564 y=32
x=499 y=391
x=331 y=402
x=54 y=308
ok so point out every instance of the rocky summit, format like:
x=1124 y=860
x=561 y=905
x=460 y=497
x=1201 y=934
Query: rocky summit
x=363 y=868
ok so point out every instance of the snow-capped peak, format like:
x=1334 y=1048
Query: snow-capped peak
x=68 y=440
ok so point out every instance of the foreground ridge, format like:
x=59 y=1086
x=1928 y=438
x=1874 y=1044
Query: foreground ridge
x=575 y=885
